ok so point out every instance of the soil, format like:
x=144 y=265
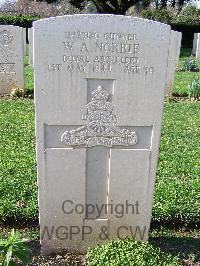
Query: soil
x=183 y=249
x=66 y=258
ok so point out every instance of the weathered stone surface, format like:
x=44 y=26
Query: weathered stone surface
x=30 y=40
x=11 y=58
x=173 y=58
x=99 y=92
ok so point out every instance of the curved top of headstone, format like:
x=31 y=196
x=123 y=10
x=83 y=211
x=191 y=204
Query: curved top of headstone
x=106 y=17
x=10 y=26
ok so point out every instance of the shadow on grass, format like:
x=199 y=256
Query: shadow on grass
x=183 y=247
x=185 y=52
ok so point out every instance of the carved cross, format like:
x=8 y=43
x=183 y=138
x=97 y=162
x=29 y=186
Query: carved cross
x=99 y=134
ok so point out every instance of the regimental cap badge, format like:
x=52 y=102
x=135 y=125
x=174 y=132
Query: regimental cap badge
x=100 y=127
x=5 y=37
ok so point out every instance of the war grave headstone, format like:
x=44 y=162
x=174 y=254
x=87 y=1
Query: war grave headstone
x=198 y=46
x=99 y=93
x=11 y=58
x=173 y=59
x=30 y=40
x=24 y=40
x=194 y=47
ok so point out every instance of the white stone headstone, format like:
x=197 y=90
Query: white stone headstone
x=99 y=92
x=24 y=40
x=173 y=59
x=11 y=58
x=194 y=48
x=198 y=46
x=30 y=40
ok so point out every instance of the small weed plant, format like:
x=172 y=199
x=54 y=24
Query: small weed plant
x=194 y=88
x=13 y=250
x=190 y=64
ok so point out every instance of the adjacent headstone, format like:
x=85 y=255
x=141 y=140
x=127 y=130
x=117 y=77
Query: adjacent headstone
x=11 y=58
x=198 y=46
x=24 y=40
x=99 y=92
x=30 y=40
x=173 y=59
x=194 y=48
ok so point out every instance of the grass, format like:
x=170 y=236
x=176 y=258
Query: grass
x=129 y=252
x=181 y=82
x=183 y=78
x=18 y=192
x=177 y=194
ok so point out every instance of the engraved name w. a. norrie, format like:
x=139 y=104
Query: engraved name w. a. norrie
x=101 y=125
